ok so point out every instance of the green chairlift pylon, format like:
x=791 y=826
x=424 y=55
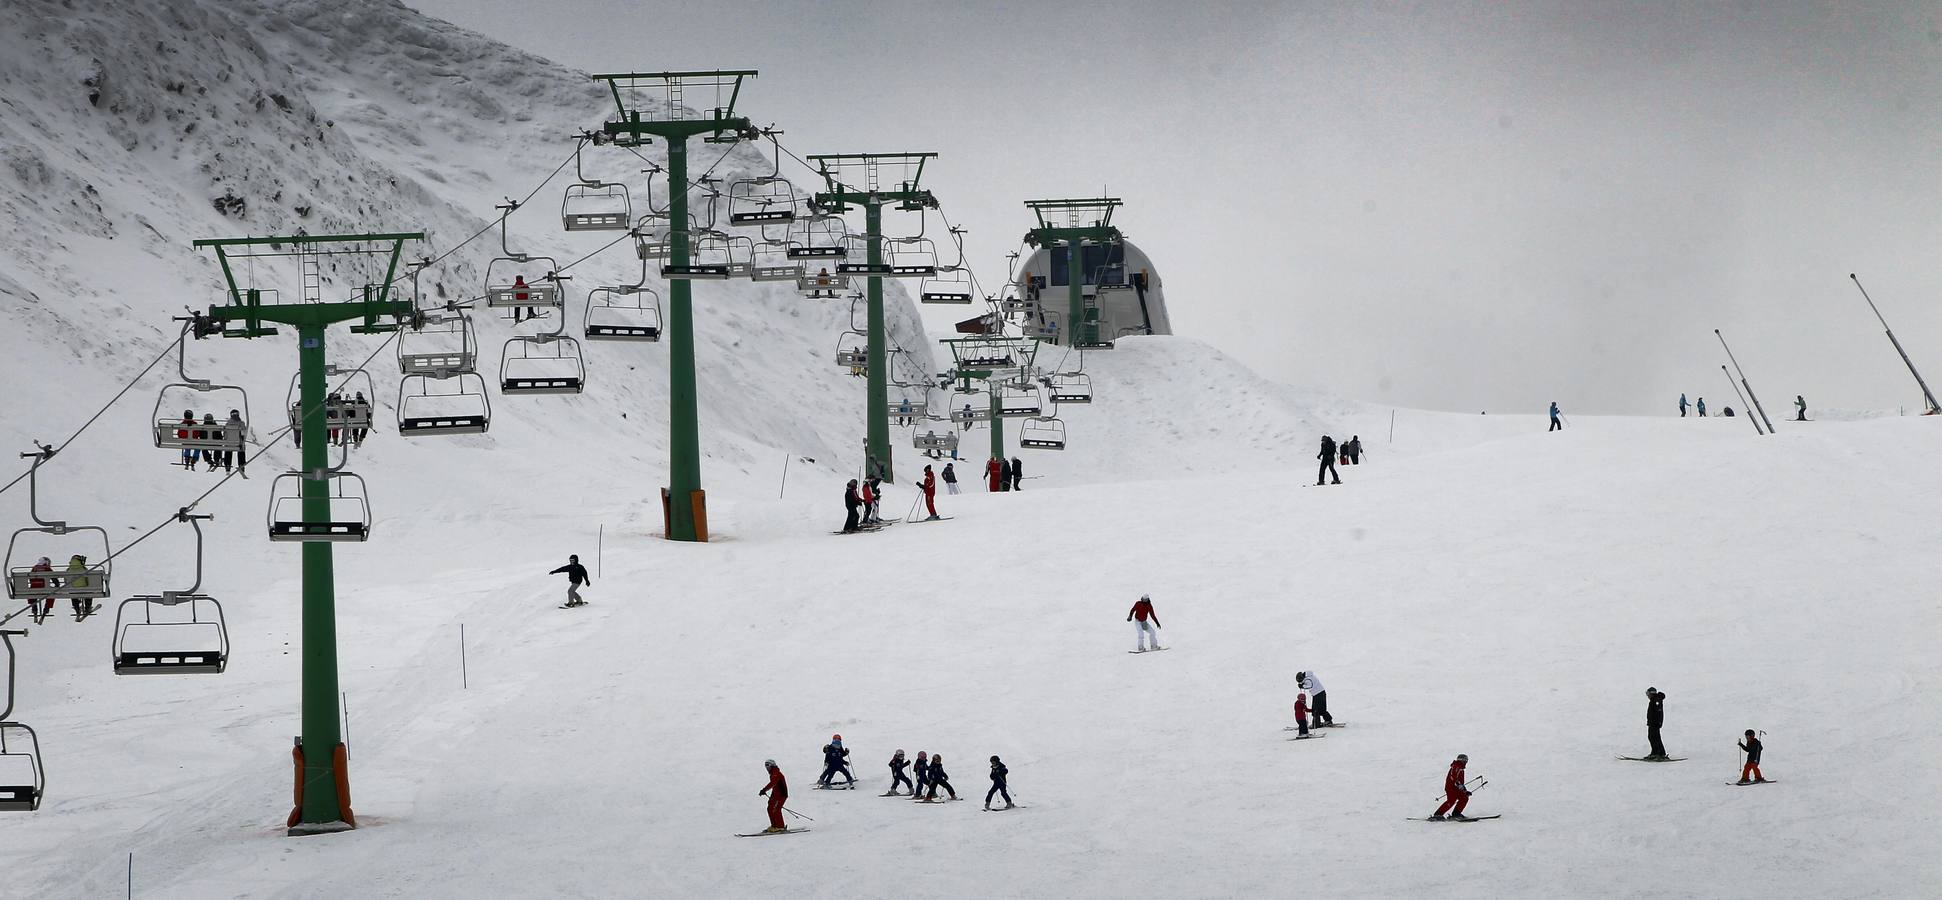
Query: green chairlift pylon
x=994 y=360
x=684 y=504
x=872 y=195
x=1084 y=221
x=323 y=783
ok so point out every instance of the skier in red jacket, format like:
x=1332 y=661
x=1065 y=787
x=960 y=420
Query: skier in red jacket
x=1148 y=623
x=778 y=791
x=930 y=491
x=991 y=471
x=1301 y=713
x=1456 y=791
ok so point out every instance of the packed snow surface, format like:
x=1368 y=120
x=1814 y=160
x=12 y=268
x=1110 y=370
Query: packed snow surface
x=1476 y=586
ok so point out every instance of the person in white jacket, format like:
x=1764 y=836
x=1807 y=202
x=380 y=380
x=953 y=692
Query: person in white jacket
x=1318 y=710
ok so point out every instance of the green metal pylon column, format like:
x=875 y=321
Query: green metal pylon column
x=997 y=423
x=877 y=405
x=322 y=730
x=684 y=420
x=1075 y=293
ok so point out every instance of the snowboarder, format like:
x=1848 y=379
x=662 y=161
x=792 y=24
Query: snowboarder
x=1017 y=473
x=1301 y=714
x=1313 y=685
x=835 y=762
x=1004 y=474
x=1752 y=747
x=1682 y=405
x=930 y=492
x=1353 y=450
x=1146 y=623
x=922 y=769
x=575 y=574
x=1456 y=791
x=950 y=479
x=778 y=791
x=1327 y=456
x=851 y=503
x=897 y=766
x=991 y=475
x=998 y=773
x=1699 y=406
x=1655 y=716
x=939 y=778
x=1556 y=423
x=1800 y=408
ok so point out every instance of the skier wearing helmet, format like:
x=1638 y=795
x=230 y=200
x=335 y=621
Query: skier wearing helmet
x=1146 y=623
x=1313 y=685
x=1456 y=791
x=778 y=792
x=835 y=762
x=897 y=766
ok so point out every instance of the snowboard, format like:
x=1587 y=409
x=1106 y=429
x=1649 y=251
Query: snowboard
x=1465 y=819
x=573 y=605
x=1643 y=759
x=944 y=800
x=1749 y=783
x=1313 y=727
x=1307 y=737
x=892 y=794
x=773 y=833
x=1154 y=650
x=1003 y=808
x=928 y=519
x=833 y=787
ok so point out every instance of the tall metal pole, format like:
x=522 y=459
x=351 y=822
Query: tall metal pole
x=684 y=422
x=877 y=376
x=1750 y=396
x=1736 y=392
x=1075 y=292
x=321 y=735
x=997 y=423
x=1927 y=396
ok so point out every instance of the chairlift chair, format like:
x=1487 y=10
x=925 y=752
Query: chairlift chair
x=346 y=416
x=911 y=257
x=819 y=237
x=1020 y=401
x=175 y=434
x=596 y=206
x=22 y=780
x=711 y=257
x=1071 y=387
x=853 y=351
x=173 y=646
x=1042 y=433
x=542 y=364
x=59 y=581
x=973 y=409
x=768 y=200
x=459 y=405
x=771 y=262
x=822 y=284
x=444 y=346
x=992 y=356
x=349 y=516
x=507 y=286
x=623 y=314
x=930 y=440
x=906 y=408
x=945 y=287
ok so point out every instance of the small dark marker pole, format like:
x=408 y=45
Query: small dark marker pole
x=1392 y=426
x=600 y=552
x=131 y=875
x=464 y=680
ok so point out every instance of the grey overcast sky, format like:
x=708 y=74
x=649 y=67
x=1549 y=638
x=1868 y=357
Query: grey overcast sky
x=1459 y=206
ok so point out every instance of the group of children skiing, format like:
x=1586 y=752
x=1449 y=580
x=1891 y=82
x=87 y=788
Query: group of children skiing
x=928 y=770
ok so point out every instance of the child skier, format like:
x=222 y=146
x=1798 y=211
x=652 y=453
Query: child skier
x=1301 y=714
x=778 y=791
x=1313 y=685
x=575 y=574
x=938 y=778
x=852 y=502
x=922 y=769
x=1752 y=746
x=835 y=762
x=998 y=773
x=1148 y=624
x=897 y=766
x=950 y=479
x=1456 y=791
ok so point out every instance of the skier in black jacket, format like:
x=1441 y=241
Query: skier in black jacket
x=938 y=777
x=998 y=773
x=851 y=503
x=897 y=766
x=1017 y=473
x=1750 y=771
x=1655 y=716
x=576 y=575
x=1327 y=457
x=836 y=762
x=922 y=769
x=1004 y=474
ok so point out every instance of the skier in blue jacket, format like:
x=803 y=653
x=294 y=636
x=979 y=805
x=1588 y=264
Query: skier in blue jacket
x=835 y=762
x=1556 y=425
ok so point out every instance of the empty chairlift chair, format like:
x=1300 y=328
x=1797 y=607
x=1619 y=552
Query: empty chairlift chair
x=1071 y=387
x=912 y=257
x=348 y=519
x=188 y=638
x=542 y=364
x=596 y=206
x=819 y=237
x=455 y=405
x=1042 y=433
x=712 y=256
x=1020 y=401
x=22 y=781
x=623 y=313
x=946 y=287
x=761 y=201
x=442 y=346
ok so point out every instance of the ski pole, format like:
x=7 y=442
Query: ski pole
x=796 y=814
x=1466 y=785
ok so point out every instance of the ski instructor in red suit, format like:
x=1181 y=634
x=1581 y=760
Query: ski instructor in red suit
x=778 y=791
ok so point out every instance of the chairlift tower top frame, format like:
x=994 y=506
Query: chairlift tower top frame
x=246 y=316
x=684 y=505
x=1075 y=222
x=839 y=197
